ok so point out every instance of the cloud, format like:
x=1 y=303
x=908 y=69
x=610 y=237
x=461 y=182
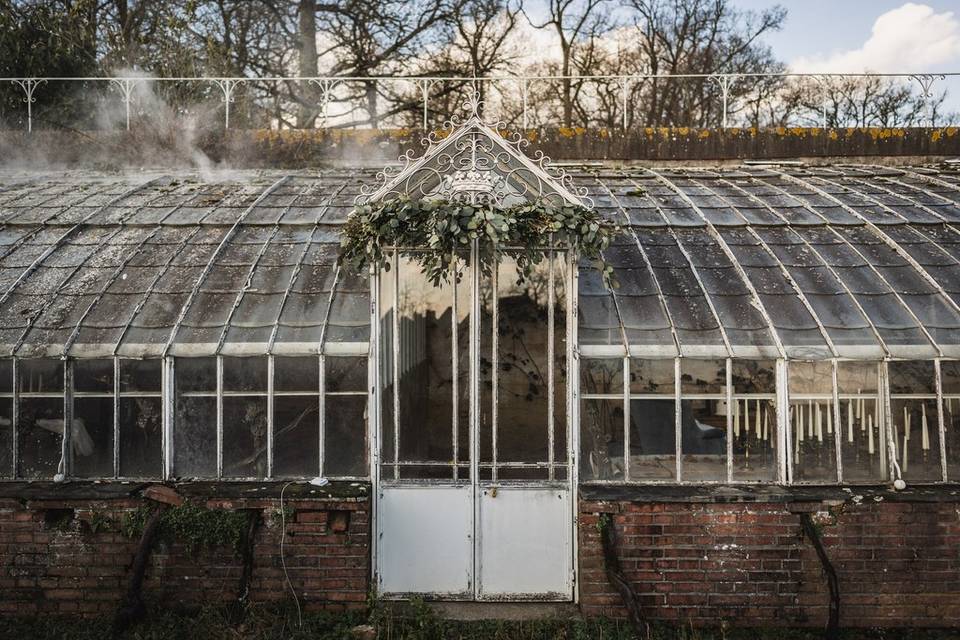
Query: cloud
x=910 y=38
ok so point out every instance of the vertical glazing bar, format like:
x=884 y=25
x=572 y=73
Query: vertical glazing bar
x=475 y=406
x=677 y=419
x=495 y=368
x=626 y=417
x=455 y=363
x=66 y=451
x=886 y=422
x=730 y=401
x=374 y=358
x=219 y=416
x=624 y=88
x=941 y=424
x=16 y=418
x=837 y=431
x=395 y=350
x=321 y=416
x=167 y=415
x=270 y=414
x=784 y=457
x=116 y=417
x=551 y=365
x=573 y=410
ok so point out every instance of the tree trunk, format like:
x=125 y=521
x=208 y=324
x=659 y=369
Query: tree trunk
x=308 y=64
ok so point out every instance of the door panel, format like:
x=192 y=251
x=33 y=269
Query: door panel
x=425 y=538
x=524 y=541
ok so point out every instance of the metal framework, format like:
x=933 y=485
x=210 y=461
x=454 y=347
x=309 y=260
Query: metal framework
x=127 y=87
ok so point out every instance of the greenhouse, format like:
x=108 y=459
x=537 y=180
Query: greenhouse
x=766 y=324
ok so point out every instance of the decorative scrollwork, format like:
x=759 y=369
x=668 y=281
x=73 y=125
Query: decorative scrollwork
x=470 y=159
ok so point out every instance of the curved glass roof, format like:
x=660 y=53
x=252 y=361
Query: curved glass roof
x=845 y=261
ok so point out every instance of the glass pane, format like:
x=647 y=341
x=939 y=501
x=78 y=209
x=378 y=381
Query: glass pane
x=6 y=437
x=754 y=420
x=523 y=366
x=653 y=439
x=296 y=436
x=245 y=437
x=345 y=440
x=296 y=374
x=601 y=376
x=196 y=374
x=93 y=376
x=6 y=418
x=41 y=376
x=141 y=437
x=346 y=374
x=652 y=377
x=950 y=381
x=423 y=354
x=91 y=437
x=811 y=421
x=601 y=428
x=245 y=374
x=40 y=435
x=916 y=426
x=559 y=360
x=195 y=437
x=140 y=375
x=864 y=447
x=703 y=421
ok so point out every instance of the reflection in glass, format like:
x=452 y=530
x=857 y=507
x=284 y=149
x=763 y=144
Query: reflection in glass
x=754 y=420
x=864 y=432
x=195 y=422
x=6 y=418
x=950 y=383
x=601 y=425
x=40 y=434
x=141 y=437
x=245 y=436
x=345 y=440
x=810 y=422
x=915 y=423
x=653 y=419
x=703 y=421
x=296 y=436
x=91 y=437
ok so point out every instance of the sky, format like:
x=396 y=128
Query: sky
x=886 y=36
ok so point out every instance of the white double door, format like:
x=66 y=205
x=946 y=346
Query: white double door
x=473 y=479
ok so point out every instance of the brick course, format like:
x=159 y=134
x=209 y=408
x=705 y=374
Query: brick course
x=44 y=569
x=898 y=563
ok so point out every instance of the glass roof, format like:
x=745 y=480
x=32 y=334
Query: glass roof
x=753 y=261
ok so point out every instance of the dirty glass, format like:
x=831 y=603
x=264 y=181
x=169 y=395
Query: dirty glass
x=141 y=419
x=418 y=344
x=810 y=422
x=653 y=420
x=92 y=428
x=345 y=417
x=40 y=424
x=915 y=423
x=195 y=422
x=754 y=420
x=703 y=420
x=601 y=419
x=523 y=369
x=296 y=425
x=6 y=418
x=950 y=381
x=864 y=447
x=245 y=417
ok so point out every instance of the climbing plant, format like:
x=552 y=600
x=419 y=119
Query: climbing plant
x=444 y=232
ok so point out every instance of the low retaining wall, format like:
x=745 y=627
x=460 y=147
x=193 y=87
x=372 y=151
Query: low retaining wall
x=70 y=555
x=689 y=562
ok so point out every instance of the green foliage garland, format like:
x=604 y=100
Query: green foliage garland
x=444 y=232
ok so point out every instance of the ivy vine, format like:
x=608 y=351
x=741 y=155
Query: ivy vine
x=194 y=525
x=443 y=232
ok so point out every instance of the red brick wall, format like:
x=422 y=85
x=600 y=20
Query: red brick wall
x=898 y=563
x=70 y=569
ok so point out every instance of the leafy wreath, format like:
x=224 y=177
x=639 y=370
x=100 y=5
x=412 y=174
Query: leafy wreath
x=443 y=232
